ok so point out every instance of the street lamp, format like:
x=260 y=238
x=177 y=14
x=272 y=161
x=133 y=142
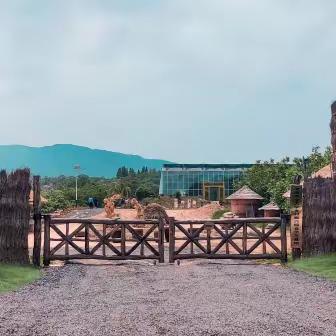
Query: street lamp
x=77 y=170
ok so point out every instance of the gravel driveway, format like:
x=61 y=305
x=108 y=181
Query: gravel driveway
x=195 y=298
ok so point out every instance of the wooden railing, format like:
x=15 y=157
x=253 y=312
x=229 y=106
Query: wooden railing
x=244 y=238
x=66 y=239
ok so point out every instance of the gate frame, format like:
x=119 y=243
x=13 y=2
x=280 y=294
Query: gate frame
x=243 y=222
x=87 y=222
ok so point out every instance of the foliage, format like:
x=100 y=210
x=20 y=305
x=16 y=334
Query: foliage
x=323 y=265
x=56 y=200
x=218 y=214
x=143 y=192
x=14 y=276
x=61 y=193
x=272 y=179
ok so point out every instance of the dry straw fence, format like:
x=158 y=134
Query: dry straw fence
x=14 y=216
x=319 y=216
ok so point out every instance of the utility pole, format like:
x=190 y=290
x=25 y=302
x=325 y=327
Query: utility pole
x=77 y=170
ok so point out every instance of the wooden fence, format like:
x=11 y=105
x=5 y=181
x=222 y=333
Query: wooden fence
x=246 y=238
x=319 y=216
x=66 y=239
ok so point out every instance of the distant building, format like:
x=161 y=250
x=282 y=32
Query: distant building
x=213 y=182
x=245 y=202
x=271 y=210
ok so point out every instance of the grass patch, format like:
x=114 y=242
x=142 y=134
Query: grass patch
x=15 y=276
x=219 y=213
x=323 y=266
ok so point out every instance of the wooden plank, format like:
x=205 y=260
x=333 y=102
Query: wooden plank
x=63 y=239
x=264 y=242
x=104 y=234
x=142 y=239
x=66 y=239
x=67 y=234
x=46 y=248
x=171 y=239
x=227 y=238
x=284 y=257
x=244 y=238
x=58 y=221
x=161 y=240
x=123 y=239
x=190 y=238
x=233 y=221
x=100 y=257
x=254 y=246
x=192 y=233
x=208 y=236
x=265 y=239
x=230 y=256
x=37 y=221
x=87 y=239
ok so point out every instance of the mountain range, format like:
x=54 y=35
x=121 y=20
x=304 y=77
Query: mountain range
x=60 y=160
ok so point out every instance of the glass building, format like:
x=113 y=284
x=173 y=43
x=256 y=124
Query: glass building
x=213 y=182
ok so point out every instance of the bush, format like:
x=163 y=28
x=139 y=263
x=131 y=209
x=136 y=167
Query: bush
x=56 y=201
x=142 y=193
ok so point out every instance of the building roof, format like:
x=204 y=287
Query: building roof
x=245 y=193
x=208 y=165
x=325 y=172
x=270 y=206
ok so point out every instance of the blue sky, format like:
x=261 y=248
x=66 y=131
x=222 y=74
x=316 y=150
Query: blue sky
x=183 y=80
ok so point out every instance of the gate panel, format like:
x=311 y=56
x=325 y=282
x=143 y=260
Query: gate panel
x=245 y=238
x=67 y=239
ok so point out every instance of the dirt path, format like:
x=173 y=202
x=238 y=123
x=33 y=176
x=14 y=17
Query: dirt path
x=196 y=298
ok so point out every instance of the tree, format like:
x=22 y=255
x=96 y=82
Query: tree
x=142 y=192
x=57 y=200
x=272 y=179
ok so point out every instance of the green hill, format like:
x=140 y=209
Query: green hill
x=60 y=159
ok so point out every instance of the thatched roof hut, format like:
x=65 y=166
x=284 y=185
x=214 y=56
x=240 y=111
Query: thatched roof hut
x=245 y=193
x=325 y=172
x=245 y=202
x=271 y=210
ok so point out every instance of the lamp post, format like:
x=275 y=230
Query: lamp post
x=77 y=170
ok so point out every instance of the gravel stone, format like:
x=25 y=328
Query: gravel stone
x=196 y=298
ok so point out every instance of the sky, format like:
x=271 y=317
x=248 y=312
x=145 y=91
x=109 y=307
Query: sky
x=192 y=81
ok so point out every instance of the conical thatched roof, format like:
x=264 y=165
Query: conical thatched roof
x=245 y=193
x=270 y=206
x=324 y=172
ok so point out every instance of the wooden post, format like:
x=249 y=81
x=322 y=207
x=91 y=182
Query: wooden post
x=37 y=221
x=208 y=235
x=333 y=139
x=192 y=234
x=245 y=238
x=171 y=239
x=161 y=240
x=67 y=235
x=283 y=240
x=123 y=240
x=87 y=239
x=46 y=250
x=104 y=236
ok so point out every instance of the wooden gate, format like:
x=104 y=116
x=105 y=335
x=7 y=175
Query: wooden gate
x=245 y=238
x=66 y=239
